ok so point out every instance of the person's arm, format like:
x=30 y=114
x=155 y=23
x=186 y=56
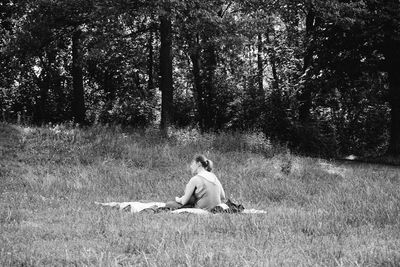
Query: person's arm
x=189 y=189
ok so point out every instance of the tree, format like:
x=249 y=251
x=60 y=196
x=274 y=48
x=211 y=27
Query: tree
x=305 y=96
x=166 y=82
x=78 y=99
x=369 y=43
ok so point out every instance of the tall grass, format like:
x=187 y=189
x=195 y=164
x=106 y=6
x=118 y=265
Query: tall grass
x=319 y=213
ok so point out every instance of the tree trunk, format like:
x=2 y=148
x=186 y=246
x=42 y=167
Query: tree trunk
x=60 y=98
x=41 y=115
x=305 y=95
x=78 y=100
x=150 y=64
x=272 y=59
x=166 y=82
x=109 y=91
x=56 y=88
x=198 y=86
x=260 y=67
x=210 y=65
x=46 y=82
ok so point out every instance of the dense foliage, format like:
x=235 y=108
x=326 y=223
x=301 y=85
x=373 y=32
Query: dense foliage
x=321 y=76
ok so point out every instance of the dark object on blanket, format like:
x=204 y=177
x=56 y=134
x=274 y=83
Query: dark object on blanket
x=233 y=208
x=162 y=209
x=127 y=208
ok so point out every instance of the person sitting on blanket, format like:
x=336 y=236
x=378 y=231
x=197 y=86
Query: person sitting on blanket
x=203 y=190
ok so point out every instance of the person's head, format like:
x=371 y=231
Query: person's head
x=200 y=163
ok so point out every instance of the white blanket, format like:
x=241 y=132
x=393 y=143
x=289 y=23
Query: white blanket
x=135 y=207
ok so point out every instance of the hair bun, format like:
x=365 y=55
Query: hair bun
x=206 y=163
x=209 y=165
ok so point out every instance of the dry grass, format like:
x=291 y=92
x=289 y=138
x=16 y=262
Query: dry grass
x=319 y=213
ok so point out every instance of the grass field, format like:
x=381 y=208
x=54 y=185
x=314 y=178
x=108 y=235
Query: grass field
x=319 y=213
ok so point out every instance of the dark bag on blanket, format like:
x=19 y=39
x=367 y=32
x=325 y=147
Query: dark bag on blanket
x=233 y=208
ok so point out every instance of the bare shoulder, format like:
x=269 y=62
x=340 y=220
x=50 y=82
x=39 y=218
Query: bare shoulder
x=195 y=179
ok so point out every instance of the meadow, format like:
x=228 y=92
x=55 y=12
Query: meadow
x=319 y=212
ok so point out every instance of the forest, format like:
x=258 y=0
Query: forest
x=322 y=77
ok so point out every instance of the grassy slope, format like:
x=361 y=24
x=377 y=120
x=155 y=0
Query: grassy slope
x=318 y=213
